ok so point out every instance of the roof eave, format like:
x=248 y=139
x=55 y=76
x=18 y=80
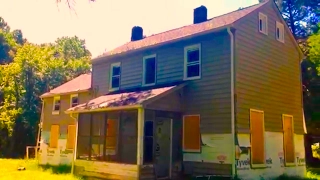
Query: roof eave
x=129 y=107
x=48 y=94
x=103 y=57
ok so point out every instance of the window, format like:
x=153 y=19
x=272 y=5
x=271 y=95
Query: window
x=149 y=70
x=288 y=140
x=71 y=138
x=56 y=105
x=74 y=100
x=191 y=133
x=115 y=73
x=148 y=142
x=192 y=62
x=263 y=23
x=54 y=136
x=280 y=31
x=257 y=138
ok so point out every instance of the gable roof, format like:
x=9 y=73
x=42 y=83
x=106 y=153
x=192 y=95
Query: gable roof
x=78 y=84
x=185 y=31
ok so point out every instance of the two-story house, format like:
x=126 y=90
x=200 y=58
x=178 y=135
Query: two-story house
x=58 y=130
x=221 y=96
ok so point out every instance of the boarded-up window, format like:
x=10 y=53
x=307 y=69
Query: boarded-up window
x=257 y=137
x=54 y=136
x=112 y=131
x=71 y=136
x=288 y=139
x=191 y=133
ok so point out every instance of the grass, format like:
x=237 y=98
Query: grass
x=9 y=171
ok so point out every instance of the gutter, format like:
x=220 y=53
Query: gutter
x=75 y=144
x=232 y=103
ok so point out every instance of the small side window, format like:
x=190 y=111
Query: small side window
x=56 y=105
x=279 y=31
x=115 y=74
x=263 y=23
x=74 y=100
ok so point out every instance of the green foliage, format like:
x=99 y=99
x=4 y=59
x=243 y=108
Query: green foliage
x=314 y=50
x=28 y=71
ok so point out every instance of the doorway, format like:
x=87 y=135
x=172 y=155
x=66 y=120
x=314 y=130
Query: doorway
x=163 y=147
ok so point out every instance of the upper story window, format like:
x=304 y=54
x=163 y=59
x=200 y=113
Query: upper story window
x=192 y=62
x=279 y=31
x=56 y=105
x=74 y=100
x=263 y=23
x=149 y=70
x=115 y=73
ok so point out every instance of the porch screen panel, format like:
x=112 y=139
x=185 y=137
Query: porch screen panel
x=71 y=136
x=257 y=137
x=112 y=135
x=191 y=133
x=54 y=136
x=83 y=141
x=288 y=139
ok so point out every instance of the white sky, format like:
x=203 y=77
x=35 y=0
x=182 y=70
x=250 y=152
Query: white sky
x=105 y=24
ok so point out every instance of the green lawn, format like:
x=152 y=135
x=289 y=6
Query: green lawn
x=8 y=171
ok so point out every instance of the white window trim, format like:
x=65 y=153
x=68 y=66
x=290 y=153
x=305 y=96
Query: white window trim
x=262 y=16
x=190 y=150
x=111 y=72
x=72 y=96
x=185 y=73
x=281 y=30
x=145 y=58
x=56 y=98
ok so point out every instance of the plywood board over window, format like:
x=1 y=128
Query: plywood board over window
x=288 y=140
x=54 y=136
x=191 y=133
x=71 y=136
x=257 y=138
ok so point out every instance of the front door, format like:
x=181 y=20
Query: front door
x=163 y=145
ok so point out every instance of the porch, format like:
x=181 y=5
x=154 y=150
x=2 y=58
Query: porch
x=130 y=136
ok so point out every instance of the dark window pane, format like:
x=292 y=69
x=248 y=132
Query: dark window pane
x=148 y=150
x=260 y=24
x=83 y=148
x=193 y=70
x=278 y=33
x=57 y=107
x=193 y=56
x=74 y=101
x=148 y=128
x=116 y=70
x=97 y=148
x=150 y=70
x=115 y=82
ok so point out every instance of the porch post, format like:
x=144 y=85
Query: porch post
x=140 y=136
x=74 y=154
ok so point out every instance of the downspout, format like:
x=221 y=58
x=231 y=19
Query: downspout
x=232 y=103
x=75 y=144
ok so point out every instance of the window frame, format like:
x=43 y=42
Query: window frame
x=264 y=140
x=280 y=26
x=185 y=66
x=50 y=145
x=145 y=58
x=116 y=64
x=183 y=138
x=72 y=96
x=261 y=17
x=284 y=151
x=56 y=112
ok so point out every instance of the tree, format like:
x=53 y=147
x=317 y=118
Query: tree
x=302 y=16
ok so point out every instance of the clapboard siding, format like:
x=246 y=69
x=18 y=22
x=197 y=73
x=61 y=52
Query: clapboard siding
x=267 y=73
x=62 y=118
x=209 y=96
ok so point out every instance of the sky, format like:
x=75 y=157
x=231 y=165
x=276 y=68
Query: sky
x=105 y=24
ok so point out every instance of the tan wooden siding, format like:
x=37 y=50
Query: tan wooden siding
x=105 y=170
x=267 y=73
x=209 y=96
x=62 y=119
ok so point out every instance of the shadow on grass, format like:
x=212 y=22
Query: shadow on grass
x=60 y=169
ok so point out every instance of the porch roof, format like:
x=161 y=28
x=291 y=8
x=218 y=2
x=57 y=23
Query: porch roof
x=120 y=101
